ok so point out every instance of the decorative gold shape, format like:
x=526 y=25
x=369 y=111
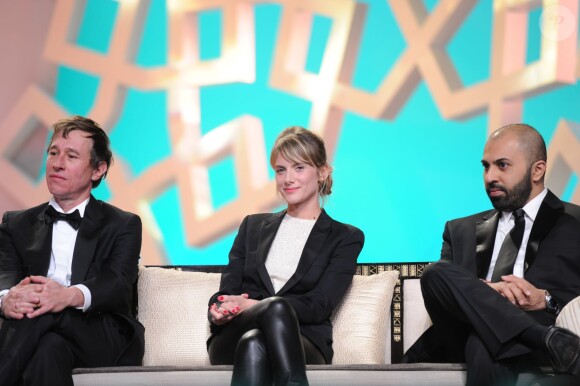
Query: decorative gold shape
x=288 y=68
x=193 y=153
x=564 y=158
x=34 y=106
x=511 y=79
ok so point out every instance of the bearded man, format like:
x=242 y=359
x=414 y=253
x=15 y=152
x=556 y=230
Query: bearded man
x=505 y=274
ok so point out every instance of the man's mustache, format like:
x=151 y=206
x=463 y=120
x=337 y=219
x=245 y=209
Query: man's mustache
x=495 y=185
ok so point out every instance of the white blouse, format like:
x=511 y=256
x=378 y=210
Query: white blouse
x=286 y=249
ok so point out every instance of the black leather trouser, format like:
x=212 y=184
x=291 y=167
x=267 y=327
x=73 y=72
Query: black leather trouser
x=265 y=346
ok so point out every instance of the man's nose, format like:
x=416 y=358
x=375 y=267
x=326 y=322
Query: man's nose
x=57 y=162
x=490 y=175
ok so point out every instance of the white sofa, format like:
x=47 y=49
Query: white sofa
x=380 y=317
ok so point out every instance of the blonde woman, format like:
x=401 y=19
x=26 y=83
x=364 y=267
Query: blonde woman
x=287 y=271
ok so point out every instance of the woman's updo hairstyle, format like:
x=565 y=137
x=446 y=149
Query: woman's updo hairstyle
x=299 y=145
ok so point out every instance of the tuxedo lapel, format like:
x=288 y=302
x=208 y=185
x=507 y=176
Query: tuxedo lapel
x=40 y=246
x=265 y=239
x=485 y=231
x=87 y=237
x=313 y=244
x=549 y=212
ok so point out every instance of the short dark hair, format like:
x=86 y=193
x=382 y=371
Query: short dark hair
x=101 y=150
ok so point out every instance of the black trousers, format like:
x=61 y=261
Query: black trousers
x=44 y=350
x=474 y=324
x=265 y=346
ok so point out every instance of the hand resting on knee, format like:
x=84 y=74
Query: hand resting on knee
x=228 y=307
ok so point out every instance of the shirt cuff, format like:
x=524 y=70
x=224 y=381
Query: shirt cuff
x=2 y=293
x=87 y=294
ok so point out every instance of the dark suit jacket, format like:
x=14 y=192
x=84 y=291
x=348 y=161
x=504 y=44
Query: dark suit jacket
x=552 y=255
x=552 y=262
x=323 y=275
x=105 y=260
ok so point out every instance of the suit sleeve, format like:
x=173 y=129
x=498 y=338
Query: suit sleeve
x=232 y=276
x=11 y=268
x=112 y=287
x=316 y=305
x=446 y=248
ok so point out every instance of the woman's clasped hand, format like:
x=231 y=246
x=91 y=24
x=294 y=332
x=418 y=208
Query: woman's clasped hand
x=229 y=306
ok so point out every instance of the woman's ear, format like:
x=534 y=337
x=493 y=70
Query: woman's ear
x=323 y=172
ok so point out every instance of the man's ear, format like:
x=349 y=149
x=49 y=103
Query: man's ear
x=538 y=171
x=99 y=171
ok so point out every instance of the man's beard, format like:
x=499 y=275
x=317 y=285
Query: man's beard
x=514 y=198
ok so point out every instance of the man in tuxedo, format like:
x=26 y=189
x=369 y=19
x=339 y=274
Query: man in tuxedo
x=505 y=274
x=68 y=269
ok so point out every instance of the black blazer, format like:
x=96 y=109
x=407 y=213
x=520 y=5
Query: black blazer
x=105 y=260
x=323 y=275
x=552 y=254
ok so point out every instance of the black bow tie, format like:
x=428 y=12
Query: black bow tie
x=74 y=218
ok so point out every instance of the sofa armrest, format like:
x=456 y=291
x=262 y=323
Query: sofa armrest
x=416 y=318
x=570 y=316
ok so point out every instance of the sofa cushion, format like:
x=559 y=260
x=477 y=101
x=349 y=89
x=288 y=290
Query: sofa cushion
x=360 y=320
x=415 y=316
x=570 y=316
x=173 y=309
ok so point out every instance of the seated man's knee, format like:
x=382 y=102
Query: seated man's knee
x=52 y=343
x=434 y=272
x=51 y=363
x=52 y=350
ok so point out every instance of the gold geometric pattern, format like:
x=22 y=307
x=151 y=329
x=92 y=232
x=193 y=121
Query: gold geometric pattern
x=564 y=158
x=330 y=92
x=406 y=271
x=511 y=79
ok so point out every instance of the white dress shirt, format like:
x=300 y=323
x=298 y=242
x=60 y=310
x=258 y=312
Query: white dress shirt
x=505 y=225
x=64 y=238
